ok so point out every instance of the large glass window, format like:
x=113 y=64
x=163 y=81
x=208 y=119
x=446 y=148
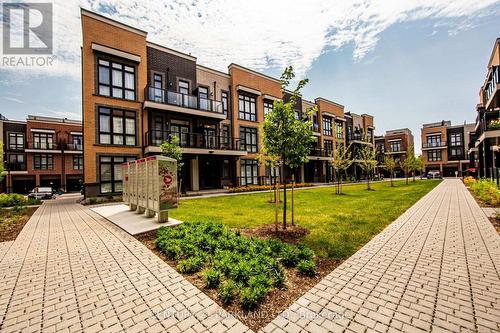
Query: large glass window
x=110 y=172
x=225 y=102
x=434 y=155
x=248 y=139
x=16 y=162
x=43 y=140
x=77 y=162
x=158 y=87
x=395 y=146
x=116 y=79
x=328 y=146
x=455 y=139
x=268 y=106
x=117 y=127
x=339 y=130
x=455 y=152
x=327 y=126
x=249 y=171
x=247 y=107
x=433 y=141
x=16 y=141
x=43 y=162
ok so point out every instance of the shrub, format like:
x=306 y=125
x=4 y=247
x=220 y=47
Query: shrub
x=227 y=291
x=212 y=278
x=468 y=181
x=251 y=297
x=307 y=267
x=241 y=271
x=252 y=188
x=486 y=191
x=12 y=200
x=33 y=201
x=190 y=265
x=305 y=253
x=290 y=256
x=494 y=124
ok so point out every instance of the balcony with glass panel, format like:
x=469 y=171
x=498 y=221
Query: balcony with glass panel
x=163 y=99
x=434 y=145
x=491 y=88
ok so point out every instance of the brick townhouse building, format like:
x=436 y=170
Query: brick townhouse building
x=42 y=151
x=484 y=146
x=445 y=147
x=137 y=94
x=396 y=143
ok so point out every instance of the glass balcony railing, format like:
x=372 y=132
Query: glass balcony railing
x=492 y=84
x=193 y=140
x=75 y=146
x=183 y=100
x=438 y=144
x=43 y=145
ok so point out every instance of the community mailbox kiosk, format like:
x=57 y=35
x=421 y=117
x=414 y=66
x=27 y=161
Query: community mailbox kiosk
x=150 y=185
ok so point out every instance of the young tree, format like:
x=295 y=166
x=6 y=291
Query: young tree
x=341 y=160
x=284 y=135
x=2 y=169
x=172 y=149
x=273 y=162
x=391 y=164
x=418 y=165
x=408 y=162
x=367 y=160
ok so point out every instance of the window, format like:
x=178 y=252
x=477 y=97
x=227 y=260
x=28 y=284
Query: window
x=117 y=127
x=249 y=170
x=328 y=146
x=110 y=172
x=43 y=140
x=395 y=146
x=16 y=141
x=15 y=162
x=182 y=132
x=434 y=155
x=203 y=98
x=248 y=139
x=77 y=162
x=158 y=86
x=77 y=141
x=433 y=141
x=268 y=107
x=339 y=130
x=225 y=136
x=225 y=102
x=296 y=114
x=116 y=80
x=455 y=152
x=455 y=139
x=43 y=162
x=369 y=135
x=247 y=107
x=327 y=126
x=184 y=87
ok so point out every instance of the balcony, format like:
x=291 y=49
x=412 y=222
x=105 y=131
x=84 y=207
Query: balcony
x=15 y=166
x=196 y=143
x=320 y=154
x=37 y=147
x=492 y=87
x=395 y=151
x=434 y=145
x=77 y=147
x=358 y=138
x=187 y=104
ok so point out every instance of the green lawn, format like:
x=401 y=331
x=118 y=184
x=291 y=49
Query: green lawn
x=339 y=225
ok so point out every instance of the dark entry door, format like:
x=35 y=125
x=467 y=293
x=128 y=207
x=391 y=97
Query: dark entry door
x=210 y=173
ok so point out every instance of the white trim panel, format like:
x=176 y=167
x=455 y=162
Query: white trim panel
x=115 y=52
x=248 y=90
x=42 y=130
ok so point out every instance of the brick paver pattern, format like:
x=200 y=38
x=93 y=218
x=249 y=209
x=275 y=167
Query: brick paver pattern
x=69 y=270
x=436 y=268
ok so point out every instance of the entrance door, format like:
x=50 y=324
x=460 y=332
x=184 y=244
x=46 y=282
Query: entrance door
x=159 y=135
x=209 y=138
x=182 y=132
x=210 y=173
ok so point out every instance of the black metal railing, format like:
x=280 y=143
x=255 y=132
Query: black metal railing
x=193 y=140
x=15 y=166
x=183 y=100
x=320 y=152
x=437 y=144
x=358 y=137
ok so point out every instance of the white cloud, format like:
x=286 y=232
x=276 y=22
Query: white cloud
x=261 y=33
x=13 y=99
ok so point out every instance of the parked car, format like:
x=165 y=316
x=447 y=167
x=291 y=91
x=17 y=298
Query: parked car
x=41 y=193
x=433 y=174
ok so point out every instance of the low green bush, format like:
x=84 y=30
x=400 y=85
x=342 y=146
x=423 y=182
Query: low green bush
x=307 y=267
x=212 y=278
x=12 y=200
x=486 y=191
x=231 y=262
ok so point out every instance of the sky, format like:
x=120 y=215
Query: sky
x=406 y=62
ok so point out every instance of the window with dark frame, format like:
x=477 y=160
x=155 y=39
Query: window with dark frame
x=43 y=140
x=247 y=107
x=327 y=126
x=456 y=152
x=225 y=102
x=395 y=146
x=455 y=139
x=249 y=172
x=225 y=135
x=339 y=130
x=116 y=79
x=158 y=87
x=328 y=147
x=43 y=161
x=433 y=141
x=434 y=155
x=248 y=139
x=77 y=162
x=117 y=127
x=183 y=87
x=110 y=173
x=16 y=162
x=268 y=107
x=16 y=141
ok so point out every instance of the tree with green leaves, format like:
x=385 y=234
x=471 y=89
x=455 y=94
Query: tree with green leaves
x=273 y=163
x=341 y=160
x=390 y=165
x=408 y=162
x=286 y=137
x=367 y=160
x=418 y=165
x=2 y=168
x=172 y=149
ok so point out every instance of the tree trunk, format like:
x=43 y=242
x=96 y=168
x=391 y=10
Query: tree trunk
x=413 y=175
x=276 y=205
x=368 y=181
x=293 y=199
x=392 y=183
x=284 y=195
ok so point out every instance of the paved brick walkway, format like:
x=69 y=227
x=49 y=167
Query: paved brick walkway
x=70 y=270
x=436 y=268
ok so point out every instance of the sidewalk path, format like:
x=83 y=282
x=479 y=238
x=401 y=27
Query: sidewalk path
x=436 y=268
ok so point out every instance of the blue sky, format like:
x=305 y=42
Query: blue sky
x=404 y=62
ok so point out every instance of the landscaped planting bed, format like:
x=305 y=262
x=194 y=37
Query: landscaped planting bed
x=12 y=222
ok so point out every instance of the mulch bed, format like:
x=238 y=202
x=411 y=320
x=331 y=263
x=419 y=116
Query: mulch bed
x=10 y=232
x=495 y=221
x=278 y=300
